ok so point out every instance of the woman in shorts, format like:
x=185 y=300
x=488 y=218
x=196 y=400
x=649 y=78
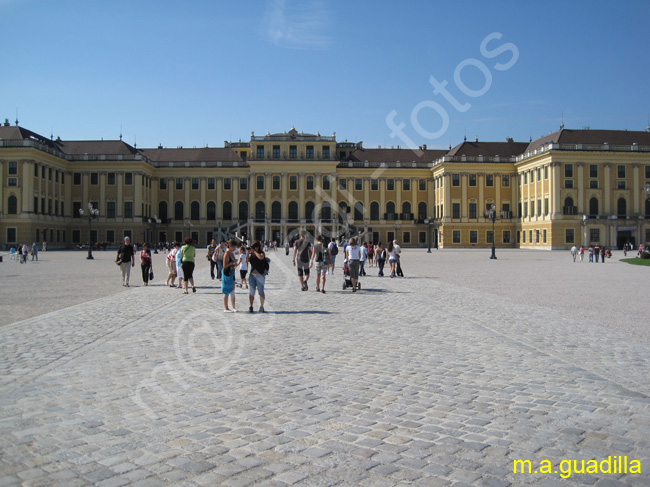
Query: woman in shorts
x=257 y=264
x=228 y=276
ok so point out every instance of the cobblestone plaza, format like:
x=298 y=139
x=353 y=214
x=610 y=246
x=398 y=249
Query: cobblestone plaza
x=443 y=378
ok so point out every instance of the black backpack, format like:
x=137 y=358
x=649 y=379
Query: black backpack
x=335 y=250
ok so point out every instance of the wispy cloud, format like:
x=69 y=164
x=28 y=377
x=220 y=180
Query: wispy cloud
x=297 y=25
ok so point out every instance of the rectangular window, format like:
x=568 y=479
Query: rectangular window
x=594 y=235
x=489 y=236
x=374 y=184
x=43 y=173
x=593 y=170
x=162 y=183
x=195 y=183
x=545 y=206
x=76 y=178
x=49 y=174
x=536 y=236
x=260 y=152
x=110 y=210
x=293 y=151
x=473 y=236
x=489 y=180
x=56 y=175
x=76 y=236
x=110 y=178
x=539 y=207
x=406 y=237
x=211 y=183
x=276 y=182
x=472 y=179
x=530 y=236
x=505 y=181
x=326 y=183
x=506 y=236
x=568 y=170
x=358 y=184
x=343 y=183
x=455 y=179
x=128 y=209
x=539 y=173
x=422 y=237
x=12 y=181
x=56 y=207
x=472 y=210
x=326 y=152
x=36 y=206
x=525 y=209
x=13 y=167
x=532 y=208
x=406 y=185
x=620 y=184
x=422 y=184
x=128 y=178
x=544 y=235
x=276 y=152
x=523 y=236
x=390 y=185
x=568 y=183
x=179 y=184
x=63 y=182
x=621 y=171
x=243 y=183
x=260 y=182
x=545 y=172
x=456 y=236
x=293 y=183
x=525 y=178
x=647 y=176
x=569 y=236
x=310 y=182
x=227 y=184
x=110 y=236
x=455 y=210
x=532 y=176
x=593 y=184
x=310 y=152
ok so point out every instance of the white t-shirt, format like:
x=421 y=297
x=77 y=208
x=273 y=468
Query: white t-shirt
x=353 y=252
x=244 y=264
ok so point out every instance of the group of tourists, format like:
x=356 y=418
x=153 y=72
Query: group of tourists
x=23 y=251
x=595 y=252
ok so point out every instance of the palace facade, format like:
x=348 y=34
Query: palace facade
x=571 y=187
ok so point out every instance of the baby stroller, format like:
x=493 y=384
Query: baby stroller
x=347 y=281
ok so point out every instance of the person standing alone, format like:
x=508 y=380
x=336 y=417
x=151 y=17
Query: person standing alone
x=302 y=249
x=125 y=259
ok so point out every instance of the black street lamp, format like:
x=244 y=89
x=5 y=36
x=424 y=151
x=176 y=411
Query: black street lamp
x=431 y=221
x=491 y=214
x=92 y=212
x=647 y=190
x=156 y=221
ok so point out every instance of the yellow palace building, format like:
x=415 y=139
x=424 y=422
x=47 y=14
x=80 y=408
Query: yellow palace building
x=570 y=187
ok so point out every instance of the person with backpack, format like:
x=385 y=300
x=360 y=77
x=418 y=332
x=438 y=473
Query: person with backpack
x=380 y=258
x=322 y=256
x=302 y=248
x=334 y=251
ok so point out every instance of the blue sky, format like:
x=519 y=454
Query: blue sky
x=200 y=72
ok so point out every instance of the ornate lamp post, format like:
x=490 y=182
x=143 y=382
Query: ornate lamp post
x=427 y=222
x=647 y=190
x=92 y=212
x=156 y=221
x=491 y=214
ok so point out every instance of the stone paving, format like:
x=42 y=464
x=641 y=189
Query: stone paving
x=442 y=378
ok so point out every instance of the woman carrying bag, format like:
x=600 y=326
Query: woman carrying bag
x=228 y=276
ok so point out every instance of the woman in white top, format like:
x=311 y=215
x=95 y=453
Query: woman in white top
x=353 y=255
x=243 y=267
x=392 y=258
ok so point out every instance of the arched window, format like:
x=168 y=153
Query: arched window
x=309 y=212
x=195 y=210
x=390 y=210
x=326 y=211
x=12 y=205
x=260 y=210
x=243 y=211
x=162 y=210
x=343 y=211
x=406 y=211
x=422 y=211
x=568 y=201
x=276 y=211
x=293 y=210
x=178 y=211
x=593 y=206
x=212 y=210
x=622 y=208
x=374 y=210
x=227 y=210
x=358 y=211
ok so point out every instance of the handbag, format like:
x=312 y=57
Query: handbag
x=151 y=275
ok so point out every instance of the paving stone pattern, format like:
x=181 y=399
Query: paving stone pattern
x=430 y=380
